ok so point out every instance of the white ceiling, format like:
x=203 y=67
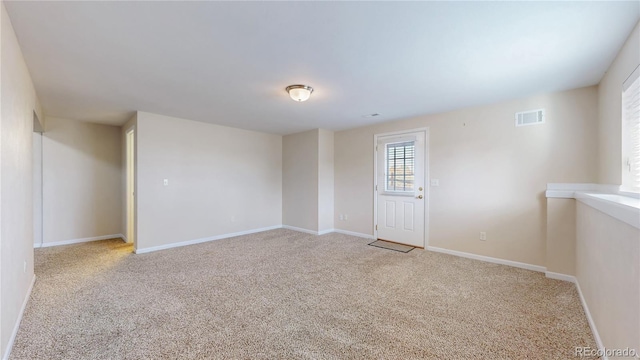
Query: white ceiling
x=228 y=62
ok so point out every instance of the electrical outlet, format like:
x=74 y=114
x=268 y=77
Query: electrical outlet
x=341 y=217
x=166 y=182
x=483 y=235
x=346 y=217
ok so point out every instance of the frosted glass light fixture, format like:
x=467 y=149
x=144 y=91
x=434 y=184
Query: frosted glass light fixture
x=299 y=92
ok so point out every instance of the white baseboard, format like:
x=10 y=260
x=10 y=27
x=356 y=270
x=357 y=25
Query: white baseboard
x=312 y=232
x=328 y=231
x=559 y=276
x=78 y=241
x=592 y=324
x=19 y=320
x=353 y=233
x=488 y=259
x=202 y=240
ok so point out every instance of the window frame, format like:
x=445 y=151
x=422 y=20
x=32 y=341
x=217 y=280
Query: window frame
x=630 y=133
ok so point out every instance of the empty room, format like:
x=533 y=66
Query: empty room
x=319 y=180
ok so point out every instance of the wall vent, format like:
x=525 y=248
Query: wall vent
x=531 y=117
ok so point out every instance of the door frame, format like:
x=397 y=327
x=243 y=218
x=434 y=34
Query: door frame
x=130 y=186
x=427 y=181
x=38 y=182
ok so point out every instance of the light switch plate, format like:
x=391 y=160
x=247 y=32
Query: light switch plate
x=435 y=182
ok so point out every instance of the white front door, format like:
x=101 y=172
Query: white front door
x=400 y=188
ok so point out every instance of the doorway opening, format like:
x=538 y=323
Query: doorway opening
x=400 y=192
x=130 y=187
x=38 y=175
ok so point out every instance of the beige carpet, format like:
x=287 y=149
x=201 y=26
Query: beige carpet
x=284 y=294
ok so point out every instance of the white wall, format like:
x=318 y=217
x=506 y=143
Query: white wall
x=82 y=180
x=300 y=180
x=610 y=110
x=608 y=271
x=18 y=101
x=325 y=180
x=492 y=174
x=221 y=180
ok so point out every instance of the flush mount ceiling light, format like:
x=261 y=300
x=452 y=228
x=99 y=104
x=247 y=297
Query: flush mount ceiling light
x=299 y=92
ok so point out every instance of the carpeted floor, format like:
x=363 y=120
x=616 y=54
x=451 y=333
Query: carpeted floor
x=285 y=294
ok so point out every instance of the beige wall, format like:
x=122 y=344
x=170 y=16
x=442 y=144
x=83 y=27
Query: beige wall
x=18 y=102
x=221 y=180
x=308 y=180
x=82 y=180
x=561 y=236
x=300 y=180
x=325 y=180
x=608 y=271
x=607 y=250
x=492 y=174
x=610 y=110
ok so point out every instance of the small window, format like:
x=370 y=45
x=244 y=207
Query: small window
x=400 y=166
x=631 y=133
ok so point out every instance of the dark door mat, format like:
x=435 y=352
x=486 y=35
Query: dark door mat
x=392 y=246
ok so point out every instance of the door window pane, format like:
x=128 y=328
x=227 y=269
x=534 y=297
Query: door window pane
x=400 y=166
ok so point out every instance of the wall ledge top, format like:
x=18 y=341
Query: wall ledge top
x=606 y=198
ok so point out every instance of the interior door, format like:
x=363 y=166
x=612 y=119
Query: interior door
x=400 y=188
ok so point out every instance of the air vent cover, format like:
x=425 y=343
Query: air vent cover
x=531 y=117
